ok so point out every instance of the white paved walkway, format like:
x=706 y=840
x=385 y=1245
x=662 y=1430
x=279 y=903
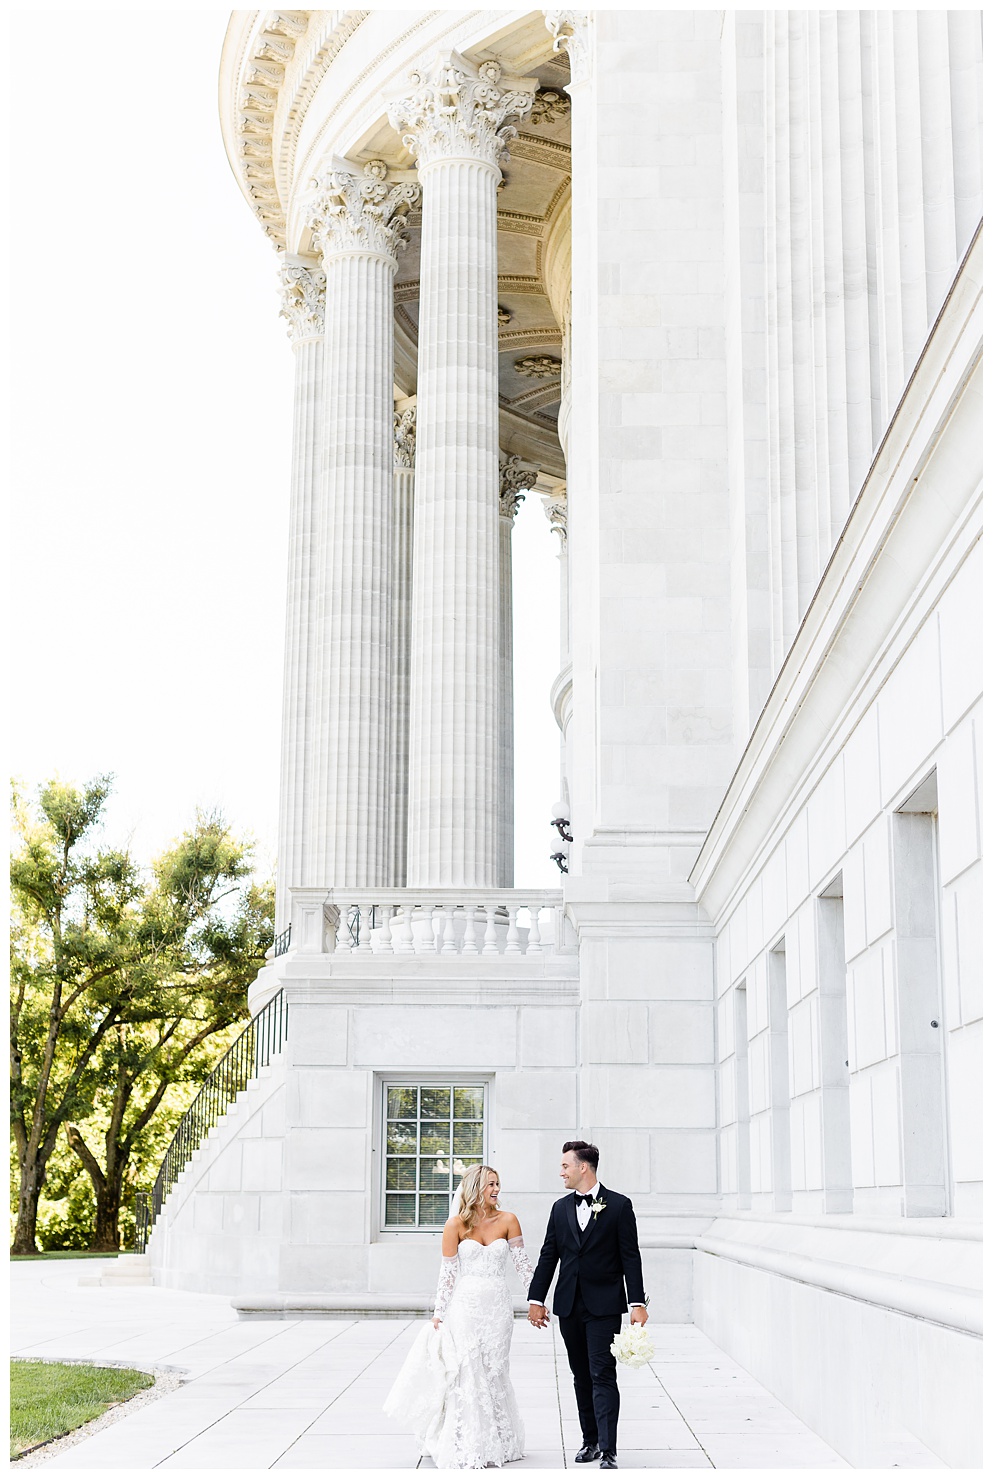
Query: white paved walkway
x=308 y=1394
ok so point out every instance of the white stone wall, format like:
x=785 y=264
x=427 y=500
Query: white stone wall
x=883 y=1388
x=223 y=1224
x=340 y=1055
x=843 y=875
x=650 y=639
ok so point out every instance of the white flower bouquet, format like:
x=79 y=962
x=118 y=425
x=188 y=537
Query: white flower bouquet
x=632 y=1346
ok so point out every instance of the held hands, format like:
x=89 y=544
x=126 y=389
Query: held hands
x=538 y=1316
x=639 y=1315
x=436 y=1322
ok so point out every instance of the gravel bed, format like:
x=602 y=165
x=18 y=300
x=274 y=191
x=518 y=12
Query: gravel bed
x=165 y=1382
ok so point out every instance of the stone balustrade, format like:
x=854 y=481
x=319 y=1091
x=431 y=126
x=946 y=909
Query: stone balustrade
x=436 y=921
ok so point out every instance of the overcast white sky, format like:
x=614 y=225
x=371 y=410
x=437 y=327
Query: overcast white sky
x=151 y=395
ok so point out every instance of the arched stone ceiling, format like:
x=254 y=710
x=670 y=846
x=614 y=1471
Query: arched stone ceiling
x=263 y=121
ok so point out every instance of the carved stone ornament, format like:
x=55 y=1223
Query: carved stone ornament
x=571 y=30
x=454 y=109
x=513 y=480
x=404 y=437
x=538 y=366
x=303 y=300
x=549 y=107
x=504 y=315
x=362 y=212
x=557 y=514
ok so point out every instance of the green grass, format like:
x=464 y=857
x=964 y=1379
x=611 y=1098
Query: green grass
x=60 y=1253
x=48 y=1399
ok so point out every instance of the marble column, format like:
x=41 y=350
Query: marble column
x=404 y=448
x=358 y=223
x=302 y=286
x=513 y=482
x=453 y=117
x=557 y=513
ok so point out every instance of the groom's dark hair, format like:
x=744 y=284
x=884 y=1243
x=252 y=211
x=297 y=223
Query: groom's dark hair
x=583 y=1151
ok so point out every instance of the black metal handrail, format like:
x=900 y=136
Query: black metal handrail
x=245 y=1058
x=281 y=943
x=142 y=1220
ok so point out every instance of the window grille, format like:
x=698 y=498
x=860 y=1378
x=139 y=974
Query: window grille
x=433 y=1134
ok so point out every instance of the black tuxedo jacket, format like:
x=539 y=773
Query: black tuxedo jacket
x=599 y=1263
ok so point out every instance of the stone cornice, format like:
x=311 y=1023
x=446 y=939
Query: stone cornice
x=271 y=65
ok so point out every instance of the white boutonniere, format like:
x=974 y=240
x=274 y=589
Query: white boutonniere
x=596 y=1208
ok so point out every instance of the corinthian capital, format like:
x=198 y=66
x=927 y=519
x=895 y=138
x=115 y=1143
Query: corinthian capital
x=404 y=437
x=513 y=481
x=571 y=30
x=302 y=290
x=362 y=212
x=453 y=109
x=557 y=514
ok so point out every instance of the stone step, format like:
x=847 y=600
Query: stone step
x=333 y=1305
x=128 y=1271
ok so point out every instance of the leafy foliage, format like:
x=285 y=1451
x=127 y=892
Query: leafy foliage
x=124 y=981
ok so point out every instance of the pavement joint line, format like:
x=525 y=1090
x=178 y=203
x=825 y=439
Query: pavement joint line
x=347 y=1325
x=230 y=1360
x=558 y=1389
x=675 y=1404
x=404 y=1326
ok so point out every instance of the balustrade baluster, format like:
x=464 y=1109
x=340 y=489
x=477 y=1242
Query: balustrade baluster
x=490 y=934
x=386 y=934
x=534 y=931
x=343 y=937
x=405 y=934
x=364 y=946
x=513 y=946
x=423 y=935
x=448 y=945
x=469 y=946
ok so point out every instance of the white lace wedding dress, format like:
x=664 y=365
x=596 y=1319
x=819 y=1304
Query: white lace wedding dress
x=454 y=1388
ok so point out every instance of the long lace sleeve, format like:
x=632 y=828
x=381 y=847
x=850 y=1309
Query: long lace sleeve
x=446 y=1283
x=522 y=1262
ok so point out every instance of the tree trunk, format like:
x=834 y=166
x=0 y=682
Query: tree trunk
x=32 y=1177
x=106 y=1233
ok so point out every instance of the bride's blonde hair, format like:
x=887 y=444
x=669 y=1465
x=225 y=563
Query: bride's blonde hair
x=470 y=1206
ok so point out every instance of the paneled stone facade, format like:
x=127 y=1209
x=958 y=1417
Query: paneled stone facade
x=707 y=283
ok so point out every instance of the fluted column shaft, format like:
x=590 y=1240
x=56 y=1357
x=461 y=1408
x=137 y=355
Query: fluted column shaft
x=404 y=426
x=453 y=120
x=514 y=480
x=303 y=307
x=358 y=225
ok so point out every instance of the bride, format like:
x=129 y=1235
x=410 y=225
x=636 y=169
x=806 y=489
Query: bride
x=454 y=1387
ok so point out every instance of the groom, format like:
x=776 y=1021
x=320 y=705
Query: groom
x=593 y=1238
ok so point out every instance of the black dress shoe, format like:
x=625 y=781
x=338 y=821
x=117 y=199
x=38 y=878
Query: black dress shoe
x=587 y=1454
x=608 y=1461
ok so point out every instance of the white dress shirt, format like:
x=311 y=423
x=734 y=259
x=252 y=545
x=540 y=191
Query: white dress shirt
x=583 y=1209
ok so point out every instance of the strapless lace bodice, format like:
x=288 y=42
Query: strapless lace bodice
x=483 y=1260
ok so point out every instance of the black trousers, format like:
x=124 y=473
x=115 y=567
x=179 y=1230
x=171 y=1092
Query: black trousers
x=594 y=1371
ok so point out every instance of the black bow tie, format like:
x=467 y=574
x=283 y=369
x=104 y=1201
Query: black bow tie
x=586 y=1197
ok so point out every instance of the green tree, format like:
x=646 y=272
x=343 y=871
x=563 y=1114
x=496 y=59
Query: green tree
x=95 y=943
x=169 y=1033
